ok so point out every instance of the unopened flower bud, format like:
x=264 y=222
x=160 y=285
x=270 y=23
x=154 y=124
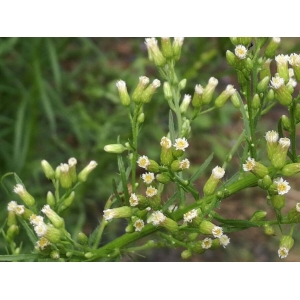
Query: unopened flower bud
x=82 y=176
x=206 y=227
x=278 y=159
x=285 y=245
x=209 y=90
x=212 y=182
x=153 y=166
x=278 y=201
x=258 y=216
x=115 y=148
x=197 y=98
x=20 y=190
x=182 y=84
x=235 y=99
x=123 y=94
x=270 y=95
x=72 y=162
x=256 y=101
x=167 y=91
x=50 y=199
x=48 y=170
x=143 y=82
x=166 y=47
x=163 y=178
x=265 y=69
x=268 y=229
x=154 y=53
x=55 y=219
x=149 y=91
x=177 y=44
x=141 y=118
x=67 y=202
x=271 y=47
x=271 y=138
x=12 y=232
x=290 y=169
x=185 y=104
x=263 y=84
x=186 y=254
x=65 y=179
x=283 y=95
x=231 y=59
x=282 y=67
x=294 y=61
x=82 y=238
x=222 y=98
x=116 y=213
x=286 y=123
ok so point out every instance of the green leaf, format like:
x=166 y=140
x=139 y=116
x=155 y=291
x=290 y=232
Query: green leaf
x=19 y=257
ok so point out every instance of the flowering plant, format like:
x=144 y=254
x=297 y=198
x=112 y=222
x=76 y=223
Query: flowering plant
x=164 y=200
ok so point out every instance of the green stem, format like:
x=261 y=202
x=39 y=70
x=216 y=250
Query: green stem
x=293 y=131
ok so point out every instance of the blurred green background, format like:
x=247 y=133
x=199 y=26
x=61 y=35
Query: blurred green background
x=58 y=100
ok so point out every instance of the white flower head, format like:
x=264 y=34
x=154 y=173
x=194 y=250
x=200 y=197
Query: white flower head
x=148 y=177
x=133 y=200
x=184 y=164
x=157 y=218
x=224 y=240
x=282 y=59
x=284 y=142
x=46 y=209
x=292 y=82
x=283 y=252
x=294 y=59
x=151 y=191
x=108 y=214
x=277 y=82
x=36 y=220
x=199 y=89
x=249 y=165
x=151 y=43
x=155 y=83
x=240 y=51
x=206 y=243
x=190 y=215
x=291 y=72
x=40 y=229
x=178 y=41
x=298 y=207
x=72 y=162
x=11 y=206
x=143 y=162
x=282 y=186
x=218 y=172
x=138 y=225
x=19 y=189
x=217 y=231
x=230 y=90
x=144 y=80
x=165 y=142
x=181 y=144
x=121 y=85
x=20 y=209
x=41 y=244
x=272 y=136
x=64 y=168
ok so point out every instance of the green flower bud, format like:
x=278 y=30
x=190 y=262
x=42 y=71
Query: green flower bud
x=182 y=84
x=55 y=219
x=11 y=219
x=209 y=90
x=193 y=236
x=149 y=91
x=265 y=69
x=89 y=254
x=256 y=102
x=141 y=118
x=286 y=123
x=286 y=241
x=249 y=64
x=197 y=98
x=263 y=84
x=297 y=113
x=166 y=156
x=268 y=229
x=223 y=97
x=235 y=99
x=129 y=228
x=282 y=67
x=20 y=190
x=12 y=232
x=271 y=138
x=167 y=91
x=123 y=94
x=67 y=202
x=50 y=199
x=186 y=128
x=166 y=47
x=185 y=104
x=55 y=254
x=65 y=179
x=294 y=214
x=53 y=234
x=258 y=169
x=258 y=216
x=212 y=182
x=234 y=41
x=143 y=82
x=271 y=47
x=115 y=148
x=294 y=61
x=186 y=254
x=206 y=227
x=153 y=166
x=116 y=213
x=48 y=170
x=278 y=201
x=177 y=45
x=270 y=95
x=155 y=54
x=231 y=59
x=242 y=40
x=278 y=158
x=266 y=182
x=82 y=176
x=290 y=169
x=82 y=238
x=72 y=162
x=282 y=93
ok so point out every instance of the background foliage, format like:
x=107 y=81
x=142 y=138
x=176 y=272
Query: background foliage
x=58 y=100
